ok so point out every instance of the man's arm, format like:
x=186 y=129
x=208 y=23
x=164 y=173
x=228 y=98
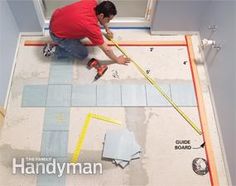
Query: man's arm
x=108 y=51
x=106 y=27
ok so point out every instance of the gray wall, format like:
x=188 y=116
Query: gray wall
x=192 y=15
x=25 y=15
x=8 y=39
x=221 y=69
x=177 y=15
x=15 y=16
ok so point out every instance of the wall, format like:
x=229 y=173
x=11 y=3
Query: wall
x=192 y=15
x=25 y=15
x=8 y=39
x=221 y=69
x=15 y=16
x=177 y=15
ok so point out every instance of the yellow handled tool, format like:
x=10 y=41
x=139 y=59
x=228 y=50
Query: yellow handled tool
x=154 y=83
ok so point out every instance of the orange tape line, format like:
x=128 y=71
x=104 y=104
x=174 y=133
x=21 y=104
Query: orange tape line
x=202 y=114
x=122 y=43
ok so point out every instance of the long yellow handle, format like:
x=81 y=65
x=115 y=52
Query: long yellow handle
x=154 y=83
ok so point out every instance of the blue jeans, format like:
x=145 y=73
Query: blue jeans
x=69 y=48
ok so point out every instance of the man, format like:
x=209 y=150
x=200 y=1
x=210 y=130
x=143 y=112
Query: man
x=74 y=22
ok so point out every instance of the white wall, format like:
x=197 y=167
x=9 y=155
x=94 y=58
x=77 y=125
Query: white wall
x=8 y=39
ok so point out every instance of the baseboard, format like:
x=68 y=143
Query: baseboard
x=153 y=32
x=12 y=72
x=216 y=119
x=31 y=34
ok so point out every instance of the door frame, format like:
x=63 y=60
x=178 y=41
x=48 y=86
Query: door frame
x=118 y=22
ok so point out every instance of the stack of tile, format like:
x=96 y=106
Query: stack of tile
x=121 y=147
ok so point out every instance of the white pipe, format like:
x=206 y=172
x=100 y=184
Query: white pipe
x=206 y=42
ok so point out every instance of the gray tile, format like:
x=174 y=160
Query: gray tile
x=54 y=143
x=123 y=164
x=56 y=118
x=119 y=145
x=183 y=94
x=136 y=156
x=84 y=95
x=59 y=96
x=115 y=145
x=51 y=180
x=108 y=95
x=34 y=96
x=66 y=61
x=133 y=95
x=61 y=74
x=154 y=98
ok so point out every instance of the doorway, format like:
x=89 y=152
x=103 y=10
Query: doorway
x=129 y=15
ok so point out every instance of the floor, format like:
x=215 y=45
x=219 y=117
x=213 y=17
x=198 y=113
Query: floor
x=44 y=91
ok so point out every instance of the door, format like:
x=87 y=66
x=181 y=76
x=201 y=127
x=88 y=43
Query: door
x=131 y=13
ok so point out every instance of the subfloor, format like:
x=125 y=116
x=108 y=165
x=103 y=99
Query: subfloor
x=44 y=89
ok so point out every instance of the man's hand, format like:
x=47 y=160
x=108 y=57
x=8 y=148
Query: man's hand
x=109 y=33
x=123 y=60
x=108 y=51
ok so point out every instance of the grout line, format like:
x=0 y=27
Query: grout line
x=71 y=91
x=145 y=86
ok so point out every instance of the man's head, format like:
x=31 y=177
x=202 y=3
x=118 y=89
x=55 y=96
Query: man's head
x=105 y=11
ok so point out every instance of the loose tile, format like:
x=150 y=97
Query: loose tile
x=123 y=164
x=120 y=145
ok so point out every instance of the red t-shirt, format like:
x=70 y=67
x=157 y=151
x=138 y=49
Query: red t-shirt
x=77 y=21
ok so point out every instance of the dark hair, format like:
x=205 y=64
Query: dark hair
x=107 y=8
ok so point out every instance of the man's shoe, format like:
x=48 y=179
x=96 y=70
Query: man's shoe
x=49 y=50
